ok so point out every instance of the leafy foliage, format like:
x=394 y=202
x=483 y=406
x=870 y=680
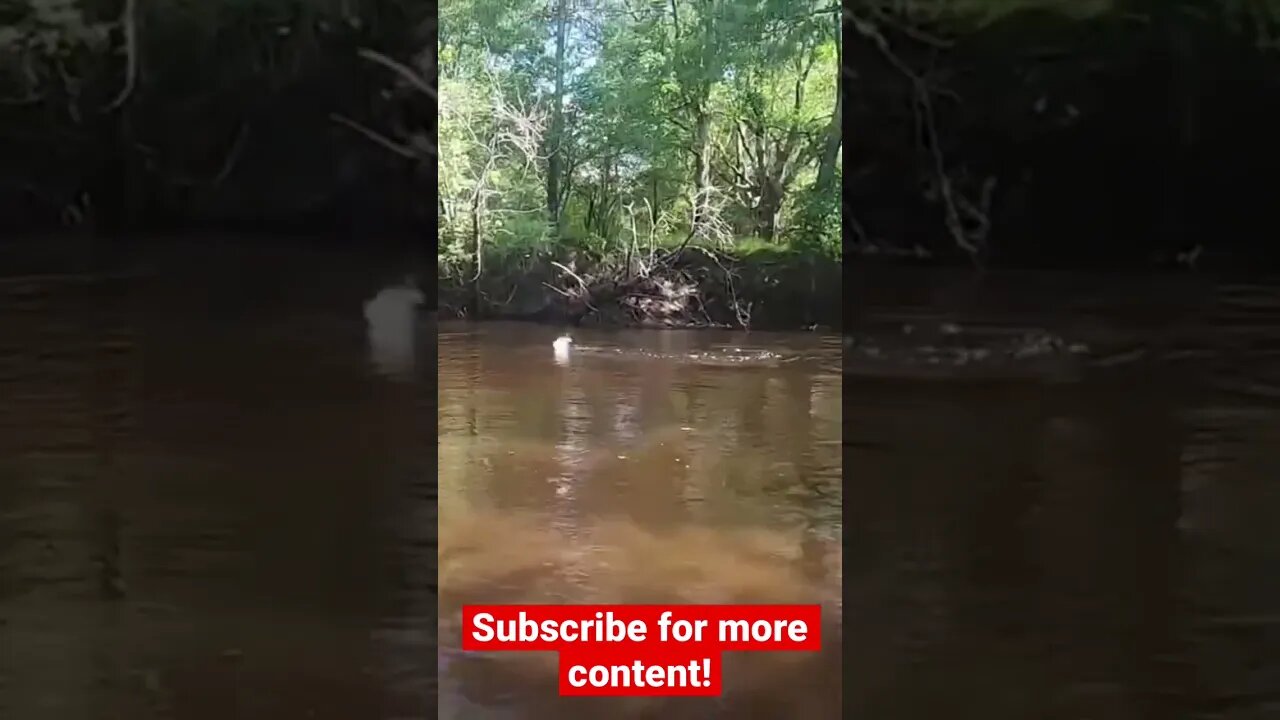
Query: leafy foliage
x=692 y=120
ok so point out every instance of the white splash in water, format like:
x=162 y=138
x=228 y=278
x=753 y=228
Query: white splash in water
x=391 y=316
x=561 y=348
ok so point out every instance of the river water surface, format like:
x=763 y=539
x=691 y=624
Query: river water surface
x=214 y=503
x=647 y=466
x=218 y=501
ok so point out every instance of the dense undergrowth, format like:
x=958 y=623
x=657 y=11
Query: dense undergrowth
x=752 y=285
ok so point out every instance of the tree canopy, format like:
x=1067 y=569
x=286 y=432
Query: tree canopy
x=594 y=123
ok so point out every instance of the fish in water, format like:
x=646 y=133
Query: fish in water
x=391 y=316
x=561 y=347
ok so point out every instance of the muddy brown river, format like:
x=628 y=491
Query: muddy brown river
x=218 y=499
x=643 y=467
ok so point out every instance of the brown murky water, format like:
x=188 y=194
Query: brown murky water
x=1099 y=545
x=212 y=505
x=215 y=502
x=644 y=467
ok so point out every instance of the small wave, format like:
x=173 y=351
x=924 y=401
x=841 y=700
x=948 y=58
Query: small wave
x=719 y=357
x=1036 y=352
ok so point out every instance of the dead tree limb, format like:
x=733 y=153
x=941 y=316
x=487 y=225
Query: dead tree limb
x=128 y=21
x=400 y=149
x=405 y=72
x=952 y=201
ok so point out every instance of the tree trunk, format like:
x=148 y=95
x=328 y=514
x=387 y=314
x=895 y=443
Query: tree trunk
x=554 y=160
x=701 y=165
x=702 y=121
x=831 y=148
x=604 y=203
x=653 y=201
x=767 y=208
x=478 y=246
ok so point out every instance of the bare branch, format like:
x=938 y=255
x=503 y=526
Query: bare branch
x=404 y=71
x=129 y=20
x=925 y=116
x=908 y=30
x=402 y=150
x=586 y=291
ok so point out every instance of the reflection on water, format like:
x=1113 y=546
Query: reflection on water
x=211 y=505
x=392 y=323
x=1103 y=548
x=636 y=468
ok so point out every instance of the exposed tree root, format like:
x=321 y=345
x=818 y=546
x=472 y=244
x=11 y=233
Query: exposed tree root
x=698 y=287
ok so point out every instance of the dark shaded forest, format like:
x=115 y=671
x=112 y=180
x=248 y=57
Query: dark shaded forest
x=1127 y=133
x=1013 y=132
x=122 y=118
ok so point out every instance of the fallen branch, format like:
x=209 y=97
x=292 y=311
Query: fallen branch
x=403 y=151
x=409 y=75
x=558 y=291
x=586 y=291
x=741 y=314
x=572 y=274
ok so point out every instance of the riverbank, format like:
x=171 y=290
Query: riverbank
x=764 y=287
